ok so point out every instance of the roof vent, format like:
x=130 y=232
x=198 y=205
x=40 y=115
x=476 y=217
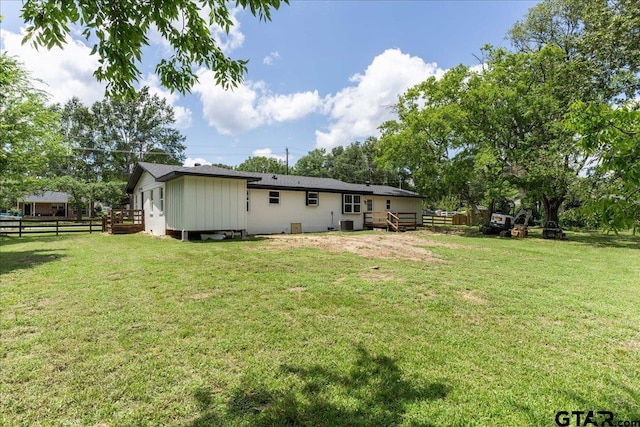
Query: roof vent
x=274 y=177
x=367 y=183
x=197 y=164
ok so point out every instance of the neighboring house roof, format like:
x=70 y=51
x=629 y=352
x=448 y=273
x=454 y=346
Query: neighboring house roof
x=47 y=197
x=164 y=173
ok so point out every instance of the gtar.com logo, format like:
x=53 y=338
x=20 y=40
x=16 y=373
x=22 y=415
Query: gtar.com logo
x=591 y=418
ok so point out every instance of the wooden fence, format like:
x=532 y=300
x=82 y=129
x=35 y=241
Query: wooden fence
x=22 y=226
x=433 y=220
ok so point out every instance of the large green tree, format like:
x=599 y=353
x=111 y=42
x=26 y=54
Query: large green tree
x=517 y=108
x=109 y=138
x=355 y=163
x=30 y=141
x=118 y=31
x=262 y=164
x=428 y=128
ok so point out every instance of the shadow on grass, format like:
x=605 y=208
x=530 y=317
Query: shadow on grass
x=594 y=238
x=372 y=393
x=17 y=260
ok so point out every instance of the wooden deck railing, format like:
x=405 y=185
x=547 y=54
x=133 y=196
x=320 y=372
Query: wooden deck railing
x=124 y=221
x=396 y=221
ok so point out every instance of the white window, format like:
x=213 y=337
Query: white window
x=274 y=197
x=388 y=204
x=312 y=198
x=161 y=200
x=351 y=203
x=369 y=204
x=151 y=203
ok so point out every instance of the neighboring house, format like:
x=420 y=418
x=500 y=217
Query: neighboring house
x=214 y=199
x=48 y=203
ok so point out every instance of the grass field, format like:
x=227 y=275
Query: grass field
x=335 y=329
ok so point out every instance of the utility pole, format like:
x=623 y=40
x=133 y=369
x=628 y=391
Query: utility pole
x=286 y=150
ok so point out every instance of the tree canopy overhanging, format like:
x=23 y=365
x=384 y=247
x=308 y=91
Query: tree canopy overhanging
x=119 y=30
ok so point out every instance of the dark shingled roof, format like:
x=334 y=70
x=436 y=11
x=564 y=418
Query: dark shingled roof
x=164 y=173
x=302 y=183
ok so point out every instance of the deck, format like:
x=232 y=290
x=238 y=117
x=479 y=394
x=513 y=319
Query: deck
x=125 y=221
x=391 y=221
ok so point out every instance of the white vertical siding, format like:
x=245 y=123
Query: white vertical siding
x=214 y=204
x=174 y=204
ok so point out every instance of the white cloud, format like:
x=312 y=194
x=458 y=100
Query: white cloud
x=358 y=110
x=189 y=162
x=267 y=152
x=67 y=72
x=282 y=108
x=183 y=118
x=250 y=105
x=268 y=60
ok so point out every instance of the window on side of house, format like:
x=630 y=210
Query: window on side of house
x=247 y=200
x=150 y=202
x=388 y=204
x=161 y=201
x=312 y=198
x=351 y=204
x=274 y=197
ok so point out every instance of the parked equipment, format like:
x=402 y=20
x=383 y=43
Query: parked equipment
x=509 y=225
x=552 y=230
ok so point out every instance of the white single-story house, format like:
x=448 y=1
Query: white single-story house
x=209 y=199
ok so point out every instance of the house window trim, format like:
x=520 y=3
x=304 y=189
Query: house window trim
x=312 y=201
x=274 y=195
x=161 y=201
x=368 y=205
x=151 y=202
x=389 y=204
x=355 y=205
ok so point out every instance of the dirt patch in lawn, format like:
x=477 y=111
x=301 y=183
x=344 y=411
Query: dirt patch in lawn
x=406 y=246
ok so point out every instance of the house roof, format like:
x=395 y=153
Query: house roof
x=300 y=183
x=164 y=173
x=47 y=197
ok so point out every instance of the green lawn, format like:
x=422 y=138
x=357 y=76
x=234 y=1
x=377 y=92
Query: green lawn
x=133 y=331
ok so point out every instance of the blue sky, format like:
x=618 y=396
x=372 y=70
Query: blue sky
x=321 y=73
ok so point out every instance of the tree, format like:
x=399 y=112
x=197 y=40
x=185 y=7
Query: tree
x=612 y=136
x=517 y=108
x=355 y=163
x=262 y=164
x=82 y=193
x=120 y=29
x=29 y=132
x=78 y=133
x=429 y=142
x=315 y=163
x=602 y=37
x=120 y=133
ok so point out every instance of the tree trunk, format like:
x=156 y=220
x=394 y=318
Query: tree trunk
x=551 y=208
